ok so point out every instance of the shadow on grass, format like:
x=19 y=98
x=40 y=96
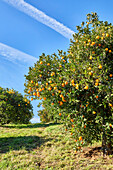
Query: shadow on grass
x=35 y=125
x=16 y=143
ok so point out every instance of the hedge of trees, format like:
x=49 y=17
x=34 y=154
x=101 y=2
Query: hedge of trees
x=76 y=86
x=14 y=108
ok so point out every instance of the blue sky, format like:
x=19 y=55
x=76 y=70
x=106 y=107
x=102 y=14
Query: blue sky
x=32 y=27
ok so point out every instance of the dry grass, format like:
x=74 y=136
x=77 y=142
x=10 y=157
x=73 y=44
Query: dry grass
x=46 y=147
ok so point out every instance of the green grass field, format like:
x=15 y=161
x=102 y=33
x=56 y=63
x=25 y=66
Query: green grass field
x=46 y=147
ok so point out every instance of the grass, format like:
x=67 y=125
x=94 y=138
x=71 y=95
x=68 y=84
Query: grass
x=46 y=147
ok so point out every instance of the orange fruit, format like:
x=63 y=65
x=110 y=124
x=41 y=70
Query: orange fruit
x=41 y=62
x=94 y=112
x=97 y=80
x=55 y=88
x=63 y=85
x=90 y=73
x=66 y=82
x=84 y=126
x=100 y=66
x=110 y=75
x=72 y=120
x=80 y=138
x=97 y=37
x=61 y=103
x=96 y=84
x=109 y=51
x=96 y=97
x=52 y=103
x=48 y=64
x=72 y=81
x=34 y=93
x=107 y=35
x=31 y=81
x=86 y=87
x=93 y=43
x=89 y=68
x=31 y=99
x=90 y=57
x=106 y=49
x=110 y=105
x=60 y=114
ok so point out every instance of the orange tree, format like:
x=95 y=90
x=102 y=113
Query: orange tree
x=77 y=86
x=14 y=108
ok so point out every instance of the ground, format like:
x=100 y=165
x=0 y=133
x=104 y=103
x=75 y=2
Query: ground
x=47 y=147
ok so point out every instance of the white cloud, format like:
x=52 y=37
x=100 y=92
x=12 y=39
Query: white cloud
x=41 y=17
x=15 y=55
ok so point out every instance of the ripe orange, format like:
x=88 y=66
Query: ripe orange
x=36 y=84
x=110 y=75
x=41 y=62
x=48 y=64
x=97 y=37
x=106 y=49
x=110 y=125
x=100 y=66
x=31 y=99
x=49 y=88
x=29 y=91
x=63 y=85
x=90 y=57
x=107 y=35
x=86 y=87
x=109 y=51
x=80 y=138
x=61 y=103
x=93 y=43
x=89 y=68
x=60 y=114
x=44 y=98
x=34 y=93
x=72 y=81
x=96 y=84
x=72 y=120
x=94 y=112
x=89 y=40
x=53 y=94
x=97 y=80
x=66 y=82
x=31 y=81
x=110 y=105
x=96 y=97
x=84 y=126
x=90 y=73
x=52 y=104
x=55 y=88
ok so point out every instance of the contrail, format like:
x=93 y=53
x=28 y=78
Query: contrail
x=14 y=55
x=41 y=17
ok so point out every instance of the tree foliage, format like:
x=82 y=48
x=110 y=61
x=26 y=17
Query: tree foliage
x=77 y=86
x=14 y=108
